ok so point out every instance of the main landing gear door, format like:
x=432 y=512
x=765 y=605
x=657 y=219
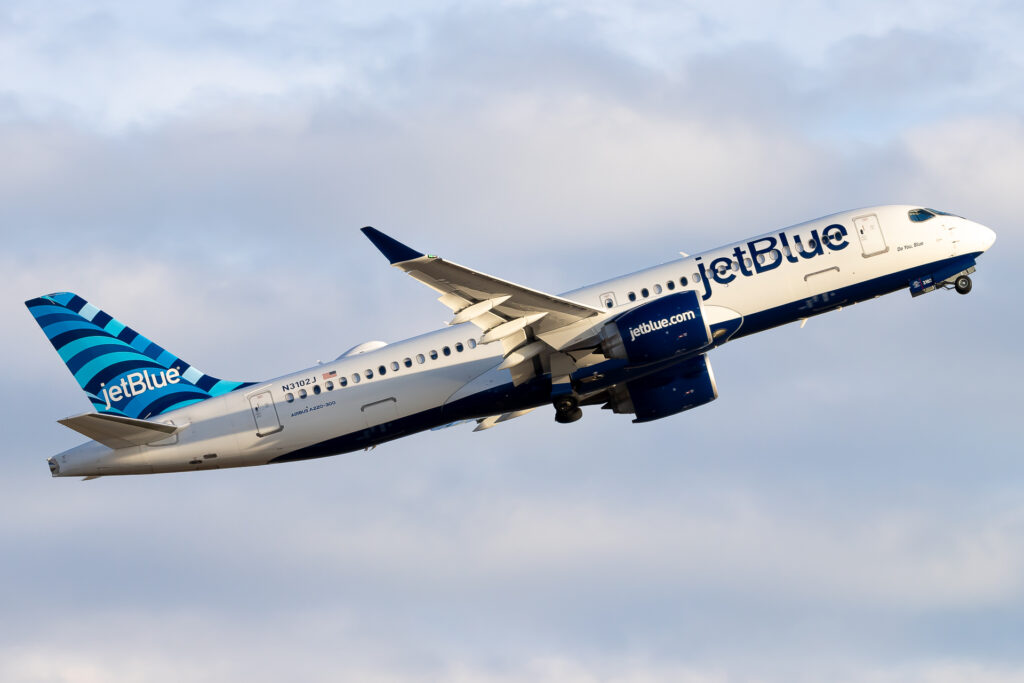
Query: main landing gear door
x=265 y=414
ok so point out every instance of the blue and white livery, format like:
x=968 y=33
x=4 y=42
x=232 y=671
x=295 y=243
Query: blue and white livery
x=636 y=344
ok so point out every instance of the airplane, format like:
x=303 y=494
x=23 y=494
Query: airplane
x=636 y=344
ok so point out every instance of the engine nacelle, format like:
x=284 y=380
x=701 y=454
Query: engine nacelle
x=673 y=390
x=658 y=330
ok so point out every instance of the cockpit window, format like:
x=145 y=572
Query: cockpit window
x=944 y=213
x=920 y=215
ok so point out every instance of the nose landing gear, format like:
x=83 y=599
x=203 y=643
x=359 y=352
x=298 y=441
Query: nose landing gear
x=962 y=284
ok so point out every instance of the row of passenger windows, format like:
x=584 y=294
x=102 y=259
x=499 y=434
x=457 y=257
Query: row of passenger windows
x=670 y=285
x=723 y=268
x=381 y=370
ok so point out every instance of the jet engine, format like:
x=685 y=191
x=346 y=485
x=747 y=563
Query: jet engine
x=661 y=329
x=680 y=387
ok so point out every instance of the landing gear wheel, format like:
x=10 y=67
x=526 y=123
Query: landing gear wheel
x=962 y=284
x=567 y=409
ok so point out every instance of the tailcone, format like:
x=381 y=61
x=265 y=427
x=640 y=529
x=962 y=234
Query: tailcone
x=87 y=460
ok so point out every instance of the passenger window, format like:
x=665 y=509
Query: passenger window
x=696 y=278
x=671 y=284
x=420 y=359
x=608 y=303
x=748 y=262
x=458 y=346
x=368 y=373
x=433 y=354
x=329 y=385
x=682 y=281
x=446 y=351
x=302 y=393
x=356 y=378
x=382 y=371
x=657 y=289
x=289 y=397
x=644 y=293
x=394 y=365
x=472 y=343
x=316 y=389
x=632 y=296
x=342 y=381
x=407 y=362
x=810 y=244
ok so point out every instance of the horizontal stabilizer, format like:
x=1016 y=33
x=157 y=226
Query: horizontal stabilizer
x=114 y=431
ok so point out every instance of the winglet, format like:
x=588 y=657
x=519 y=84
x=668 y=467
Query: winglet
x=393 y=250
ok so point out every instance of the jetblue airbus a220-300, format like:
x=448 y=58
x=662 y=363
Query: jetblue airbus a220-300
x=635 y=344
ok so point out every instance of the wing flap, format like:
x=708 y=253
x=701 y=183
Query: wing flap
x=115 y=431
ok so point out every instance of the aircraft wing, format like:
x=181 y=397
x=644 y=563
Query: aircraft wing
x=529 y=323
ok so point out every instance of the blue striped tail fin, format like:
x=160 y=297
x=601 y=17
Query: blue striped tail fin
x=121 y=372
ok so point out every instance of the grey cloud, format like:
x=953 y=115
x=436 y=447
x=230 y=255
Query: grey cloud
x=507 y=134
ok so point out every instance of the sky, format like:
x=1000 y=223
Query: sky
x=850 y=509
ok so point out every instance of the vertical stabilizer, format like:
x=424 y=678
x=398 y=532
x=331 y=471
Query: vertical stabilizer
x=121 y=372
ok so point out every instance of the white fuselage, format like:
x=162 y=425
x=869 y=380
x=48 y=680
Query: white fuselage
x=446 y=375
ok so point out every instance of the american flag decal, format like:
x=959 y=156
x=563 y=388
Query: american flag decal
x=332 y=373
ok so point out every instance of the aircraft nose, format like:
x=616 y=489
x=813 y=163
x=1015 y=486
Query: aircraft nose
x=988 y=237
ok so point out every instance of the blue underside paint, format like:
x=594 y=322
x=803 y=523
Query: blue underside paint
x=537 y=392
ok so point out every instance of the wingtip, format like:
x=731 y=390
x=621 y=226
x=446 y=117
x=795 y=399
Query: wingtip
x=393 y=250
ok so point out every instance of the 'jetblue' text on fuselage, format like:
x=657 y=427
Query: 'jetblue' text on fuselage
x=766 y=253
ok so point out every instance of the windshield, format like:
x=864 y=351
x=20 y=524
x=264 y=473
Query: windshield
x=922 y=215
